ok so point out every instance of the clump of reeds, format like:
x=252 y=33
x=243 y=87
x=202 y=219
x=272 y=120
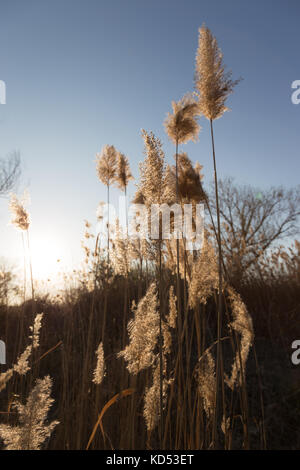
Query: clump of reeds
x=33 y=430
x=141 y=353
x=22 y=365
x=181 y=126
x=143 y=332
x=153 y=407
x=204 y=275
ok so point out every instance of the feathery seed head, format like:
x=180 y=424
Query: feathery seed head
x=213 y=84
x=206 y=377
x=152 y=170
x=123 y=173
x=138 y=197
x=35 y=329
x=189 y=180
x=106 y=164
x=243 y=325
x=4 y=378
x=172 y=308
x=21 y=219
x=182 y=126
x=152 y=396
x=22 y=366
x=143 y=332
x=121 y=253
x=32 y=431
x=99 y=372
x=204 y=276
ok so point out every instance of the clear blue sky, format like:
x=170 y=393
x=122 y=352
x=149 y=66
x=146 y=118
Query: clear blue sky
x=81 y=74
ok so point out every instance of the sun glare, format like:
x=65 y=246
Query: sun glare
x=48 y=258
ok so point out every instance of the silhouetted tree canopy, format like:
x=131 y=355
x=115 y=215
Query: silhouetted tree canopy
x=10 y=170
x=253 y=219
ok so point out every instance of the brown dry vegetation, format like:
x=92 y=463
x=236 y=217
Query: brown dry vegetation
x=273 y=303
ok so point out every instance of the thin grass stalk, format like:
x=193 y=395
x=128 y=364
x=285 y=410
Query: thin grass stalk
x=24 y=264
x=108 y=233
x=89 y=342
x=219 y=319
x=244 y=400
x=107 y=270
x=179 y=313
x=30 y=265
x=242 y=392
x=160 y=347
x=261 y=399
x=216 y=234
x=126 y=292
x=21 y=327
x=177 y=249
x=234 y=341
x=188 y=384
x=188 y=341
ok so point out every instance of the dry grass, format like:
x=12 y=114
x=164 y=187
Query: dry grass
x=273 y=304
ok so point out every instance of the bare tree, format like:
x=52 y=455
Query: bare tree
x=10 y=170
x=253 y=220
x=8 y=288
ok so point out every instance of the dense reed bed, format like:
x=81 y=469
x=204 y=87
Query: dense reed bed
x=272 y=381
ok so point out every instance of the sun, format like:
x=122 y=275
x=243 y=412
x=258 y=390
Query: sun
x=47 y=258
